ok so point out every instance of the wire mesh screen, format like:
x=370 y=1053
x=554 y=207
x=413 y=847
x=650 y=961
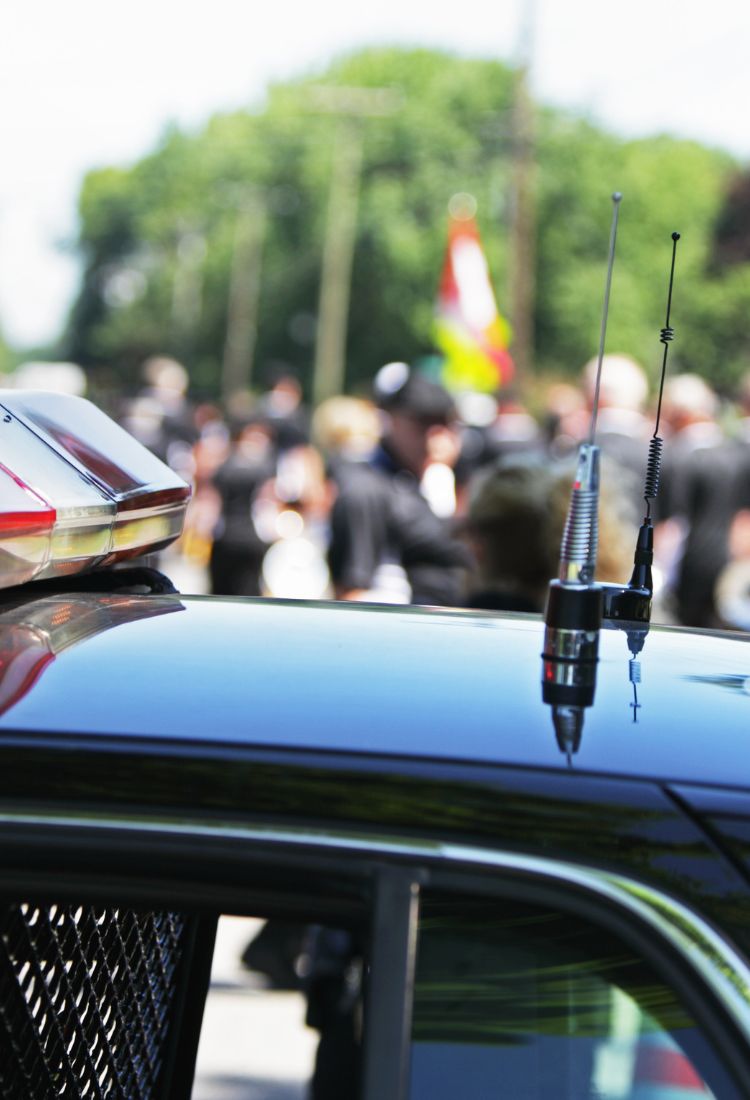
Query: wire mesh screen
x=85 y=997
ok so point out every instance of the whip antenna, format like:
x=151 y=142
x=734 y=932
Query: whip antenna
x=573 y=615
x=580 y=539
x=616 y=199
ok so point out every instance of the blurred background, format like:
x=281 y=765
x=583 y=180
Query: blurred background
x=150 y=155
x=198 y=204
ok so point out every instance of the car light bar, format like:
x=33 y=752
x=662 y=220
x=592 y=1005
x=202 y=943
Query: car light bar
x=97 y=494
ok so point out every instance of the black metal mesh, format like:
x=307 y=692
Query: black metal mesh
x=85 y=996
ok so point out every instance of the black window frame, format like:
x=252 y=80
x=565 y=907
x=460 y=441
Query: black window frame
x=281 y=873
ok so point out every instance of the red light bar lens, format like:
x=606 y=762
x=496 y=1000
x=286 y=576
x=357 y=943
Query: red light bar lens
x=26 y=526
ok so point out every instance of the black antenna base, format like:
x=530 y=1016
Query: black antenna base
x=643 y=558
x=634 y=602
x=626 y=604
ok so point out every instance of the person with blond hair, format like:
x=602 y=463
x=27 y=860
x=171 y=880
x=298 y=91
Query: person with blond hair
x=622 y=429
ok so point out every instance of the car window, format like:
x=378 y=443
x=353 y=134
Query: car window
x=283 y=1013
x=512 y=999
x=104 y=1000
x=527 y=1002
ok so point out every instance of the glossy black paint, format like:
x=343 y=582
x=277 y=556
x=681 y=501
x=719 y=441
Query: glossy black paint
x=398 y=682
x=381 y=721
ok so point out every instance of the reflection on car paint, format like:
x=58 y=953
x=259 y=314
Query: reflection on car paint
x=34 y=634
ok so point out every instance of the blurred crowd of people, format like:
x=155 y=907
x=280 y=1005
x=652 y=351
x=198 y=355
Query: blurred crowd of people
x=411 y=495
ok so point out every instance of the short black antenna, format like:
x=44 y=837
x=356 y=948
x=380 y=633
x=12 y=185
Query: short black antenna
x=628 y=607
x=644 y=553
x=631 y=605
x=653 y=467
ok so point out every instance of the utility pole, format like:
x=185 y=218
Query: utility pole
x=244 y=295
x=352 y=105
x=523 y=221
x=187 y=290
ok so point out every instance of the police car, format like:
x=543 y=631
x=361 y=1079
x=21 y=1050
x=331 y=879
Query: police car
x=533 y=916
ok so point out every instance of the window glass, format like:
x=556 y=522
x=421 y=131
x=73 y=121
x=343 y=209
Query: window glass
x=519 y=1001
x=283 y=1016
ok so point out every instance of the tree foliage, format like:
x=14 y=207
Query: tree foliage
x=158 y=238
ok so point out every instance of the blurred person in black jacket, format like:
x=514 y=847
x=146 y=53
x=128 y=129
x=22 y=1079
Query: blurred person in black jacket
x=697 y=499
x=282 y=408
x=237 y=550
x=387 y=544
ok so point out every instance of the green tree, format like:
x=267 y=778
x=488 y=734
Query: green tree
x=158 y=238
x=449 y=135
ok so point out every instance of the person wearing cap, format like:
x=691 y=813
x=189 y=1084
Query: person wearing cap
x=386 y=543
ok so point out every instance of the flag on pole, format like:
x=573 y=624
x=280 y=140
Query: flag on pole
x=469 y=330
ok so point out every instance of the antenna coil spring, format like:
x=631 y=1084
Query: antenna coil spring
x=666 y=334
x=581 y=535
x=653 y=468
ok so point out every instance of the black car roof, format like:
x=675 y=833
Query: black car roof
x=408 y=682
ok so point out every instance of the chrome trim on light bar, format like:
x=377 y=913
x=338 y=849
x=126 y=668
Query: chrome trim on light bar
x=706 y=950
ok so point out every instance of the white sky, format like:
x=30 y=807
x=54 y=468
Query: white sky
x=86 y=82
